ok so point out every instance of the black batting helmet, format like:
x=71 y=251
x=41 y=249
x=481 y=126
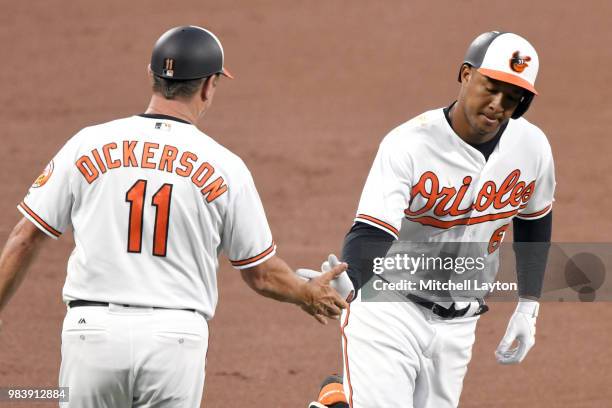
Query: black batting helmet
x=188 y=52
x=506 y=57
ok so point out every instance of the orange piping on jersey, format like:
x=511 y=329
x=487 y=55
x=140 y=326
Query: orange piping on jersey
x=434 y=222
x=346 y=361
x=87 y=169
x=379 y=222
x=110 y=163
x=129 y=160
x=98 y=160
x=42 y=222
x=214 y=190
x=254 y=258
x=147 y=154
x=166 y=161
x=535 y=214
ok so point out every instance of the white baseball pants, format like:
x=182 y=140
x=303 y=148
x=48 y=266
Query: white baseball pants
x=124 y=357
x=400 y=355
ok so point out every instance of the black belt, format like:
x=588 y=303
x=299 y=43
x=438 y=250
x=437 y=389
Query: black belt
x=78 y=303
x=443 y=312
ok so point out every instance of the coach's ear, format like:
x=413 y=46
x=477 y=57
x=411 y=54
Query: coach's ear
x=208 y=88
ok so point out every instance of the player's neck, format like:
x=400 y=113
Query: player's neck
x=464 y=130
x=177 y=108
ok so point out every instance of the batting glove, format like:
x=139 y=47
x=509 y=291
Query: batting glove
x=342 y=284
x=522 y=328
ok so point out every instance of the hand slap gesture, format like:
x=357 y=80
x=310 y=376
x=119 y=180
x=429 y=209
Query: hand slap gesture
x=321 y=300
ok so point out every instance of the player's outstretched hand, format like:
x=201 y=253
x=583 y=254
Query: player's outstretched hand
x=522 y=329
x=321 y=300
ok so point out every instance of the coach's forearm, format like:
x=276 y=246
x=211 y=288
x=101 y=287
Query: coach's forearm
x=19 y=251
x=275 y=279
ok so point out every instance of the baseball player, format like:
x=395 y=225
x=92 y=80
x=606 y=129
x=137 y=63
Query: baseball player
x=458 y=174
x=153 y=201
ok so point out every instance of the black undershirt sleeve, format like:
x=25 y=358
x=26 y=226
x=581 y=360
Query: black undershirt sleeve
x=531 y=259
x=362 y=244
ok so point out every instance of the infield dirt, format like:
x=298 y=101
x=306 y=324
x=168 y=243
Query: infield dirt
x=318 y=84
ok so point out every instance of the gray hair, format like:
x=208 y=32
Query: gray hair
x=173 y=89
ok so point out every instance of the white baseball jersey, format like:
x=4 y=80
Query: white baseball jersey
x=152 y=201
x=428 y=185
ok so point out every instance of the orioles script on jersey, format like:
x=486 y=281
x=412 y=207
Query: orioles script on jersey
x=110 y=156
x=447 y=200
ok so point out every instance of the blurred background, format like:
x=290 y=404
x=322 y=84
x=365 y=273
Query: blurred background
x=318 y=85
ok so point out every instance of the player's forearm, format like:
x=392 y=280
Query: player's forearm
x=531 y=246
x=19 y=251
x=275 y=279
x=362 y=244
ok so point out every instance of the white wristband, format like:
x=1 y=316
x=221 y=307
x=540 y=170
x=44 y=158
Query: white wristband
x=528 y=306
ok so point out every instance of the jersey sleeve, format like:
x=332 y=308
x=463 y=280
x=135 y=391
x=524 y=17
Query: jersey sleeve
x=247 y=239
x=386 y=193
x=541 y=201
x=48 y=203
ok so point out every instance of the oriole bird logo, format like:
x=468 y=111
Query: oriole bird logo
x=518 y=63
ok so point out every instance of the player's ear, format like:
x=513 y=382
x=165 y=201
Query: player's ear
x=466 y=73
x=149 y=72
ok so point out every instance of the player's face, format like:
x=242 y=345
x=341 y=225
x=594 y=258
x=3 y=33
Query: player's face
x=487 y=102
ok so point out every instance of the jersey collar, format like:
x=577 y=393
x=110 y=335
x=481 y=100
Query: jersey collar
x=160 y=116
x=485 y=148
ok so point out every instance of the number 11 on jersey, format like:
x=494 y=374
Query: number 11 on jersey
x=135 y=196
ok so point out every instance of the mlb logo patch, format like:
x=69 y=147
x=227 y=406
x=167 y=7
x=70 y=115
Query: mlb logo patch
x=163 y=126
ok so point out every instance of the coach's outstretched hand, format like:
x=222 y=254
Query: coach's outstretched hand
x=321 y=299
x=274 y=279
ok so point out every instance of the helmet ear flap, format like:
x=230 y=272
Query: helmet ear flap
x=523 y=105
